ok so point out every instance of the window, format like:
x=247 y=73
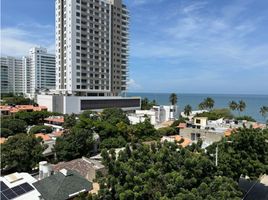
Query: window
x=198 y=121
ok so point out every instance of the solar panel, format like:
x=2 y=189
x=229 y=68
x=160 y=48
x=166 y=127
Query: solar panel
x=9 y=194
x=18 y=190
x=3 y=186
x=26 y=187
x=3 y=197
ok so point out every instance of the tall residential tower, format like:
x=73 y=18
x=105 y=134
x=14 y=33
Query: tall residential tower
x=40 y=70
x=12 y=75
x=91 y=47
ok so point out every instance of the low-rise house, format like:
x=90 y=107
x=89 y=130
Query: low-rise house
x=88 y=168
x=56 y=122
x=156 y=115
x=9 y=110
x=200 y=122
x=49 y=142
x=192 y=114
x=18 y=186
x=65 y=184
x=184 y=142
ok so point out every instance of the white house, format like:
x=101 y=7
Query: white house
x=157 y=115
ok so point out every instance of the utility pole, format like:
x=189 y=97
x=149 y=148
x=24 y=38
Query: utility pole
x=216 y=161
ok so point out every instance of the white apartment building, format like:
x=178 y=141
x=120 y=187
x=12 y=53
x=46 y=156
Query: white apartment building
x=157 y=115
x=12 y=75
x=40 y=70
x=91 y=47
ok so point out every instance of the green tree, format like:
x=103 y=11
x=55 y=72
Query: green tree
x=114 y=116
x=18 y=100
x=241 y=106
x=207 y=103
x=69 y=121
x=173 y=99
x=161 y=171
x=233 y=105
x=244 y=153
x=21 y=153
x=40 y=129
x=5 y=132
x=187 y=110
x=14 y=125
x=264 y=111
x=217 y=114
x=146 y=104
x=74 y=144
x=34 y=118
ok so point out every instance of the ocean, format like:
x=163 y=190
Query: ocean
x=253 y=102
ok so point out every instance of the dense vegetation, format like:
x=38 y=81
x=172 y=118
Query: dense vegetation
x=21 y=153
x=147 y=104
x=113 y=127
x=16 y=99
x=245 y=152
x=217 y=114
x=161 y=172
x=40 y=129
x=12 y=127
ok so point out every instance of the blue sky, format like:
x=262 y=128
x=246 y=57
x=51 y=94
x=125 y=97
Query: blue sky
x=185 y=46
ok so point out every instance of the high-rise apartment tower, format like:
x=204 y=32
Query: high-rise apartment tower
x=91 y=47
x=12 y=75
x=40 y=70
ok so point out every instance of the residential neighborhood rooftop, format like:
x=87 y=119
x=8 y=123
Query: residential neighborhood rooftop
x=62 y=185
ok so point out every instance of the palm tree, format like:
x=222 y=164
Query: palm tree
x=233 y=105
x=173 y=99
x=264 y=111
x=208 y=103
x=187 y=110
x=201 y=106
x=241 y=106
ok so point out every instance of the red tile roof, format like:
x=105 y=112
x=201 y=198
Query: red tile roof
x=43 y=136
x=59 y=119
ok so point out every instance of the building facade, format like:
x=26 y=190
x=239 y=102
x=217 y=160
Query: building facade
x=29 y=74
x=41 y=70
x=12 y=75
x=91 y=47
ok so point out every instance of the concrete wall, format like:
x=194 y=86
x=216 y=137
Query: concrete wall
x=46 y=100
x=72 y=104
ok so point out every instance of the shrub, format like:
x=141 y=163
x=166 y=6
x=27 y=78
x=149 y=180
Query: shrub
x=41 y=129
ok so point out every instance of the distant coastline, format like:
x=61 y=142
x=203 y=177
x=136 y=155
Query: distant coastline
x=253 y=101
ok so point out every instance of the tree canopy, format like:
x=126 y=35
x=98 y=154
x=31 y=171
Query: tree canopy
x=217 y=114
x=40 y=129
x=74 y=144
x=146 y=104
x=207 y=103
x=162 y=172
x=21 y=152
x=14 y=125
x=245 y=152
x=173 y=99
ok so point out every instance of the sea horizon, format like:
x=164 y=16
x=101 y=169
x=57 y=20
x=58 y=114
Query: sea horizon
x=253 y=101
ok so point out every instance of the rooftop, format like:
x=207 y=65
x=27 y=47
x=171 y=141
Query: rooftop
x=82 y=165
x=63 y=185
x=18 y=186
x=184 y=142
x=44 y=137
x=58 y=119
x=17 y=108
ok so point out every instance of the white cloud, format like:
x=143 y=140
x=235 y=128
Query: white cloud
x=212 y=39
x=133 y=85
x=16 y=41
